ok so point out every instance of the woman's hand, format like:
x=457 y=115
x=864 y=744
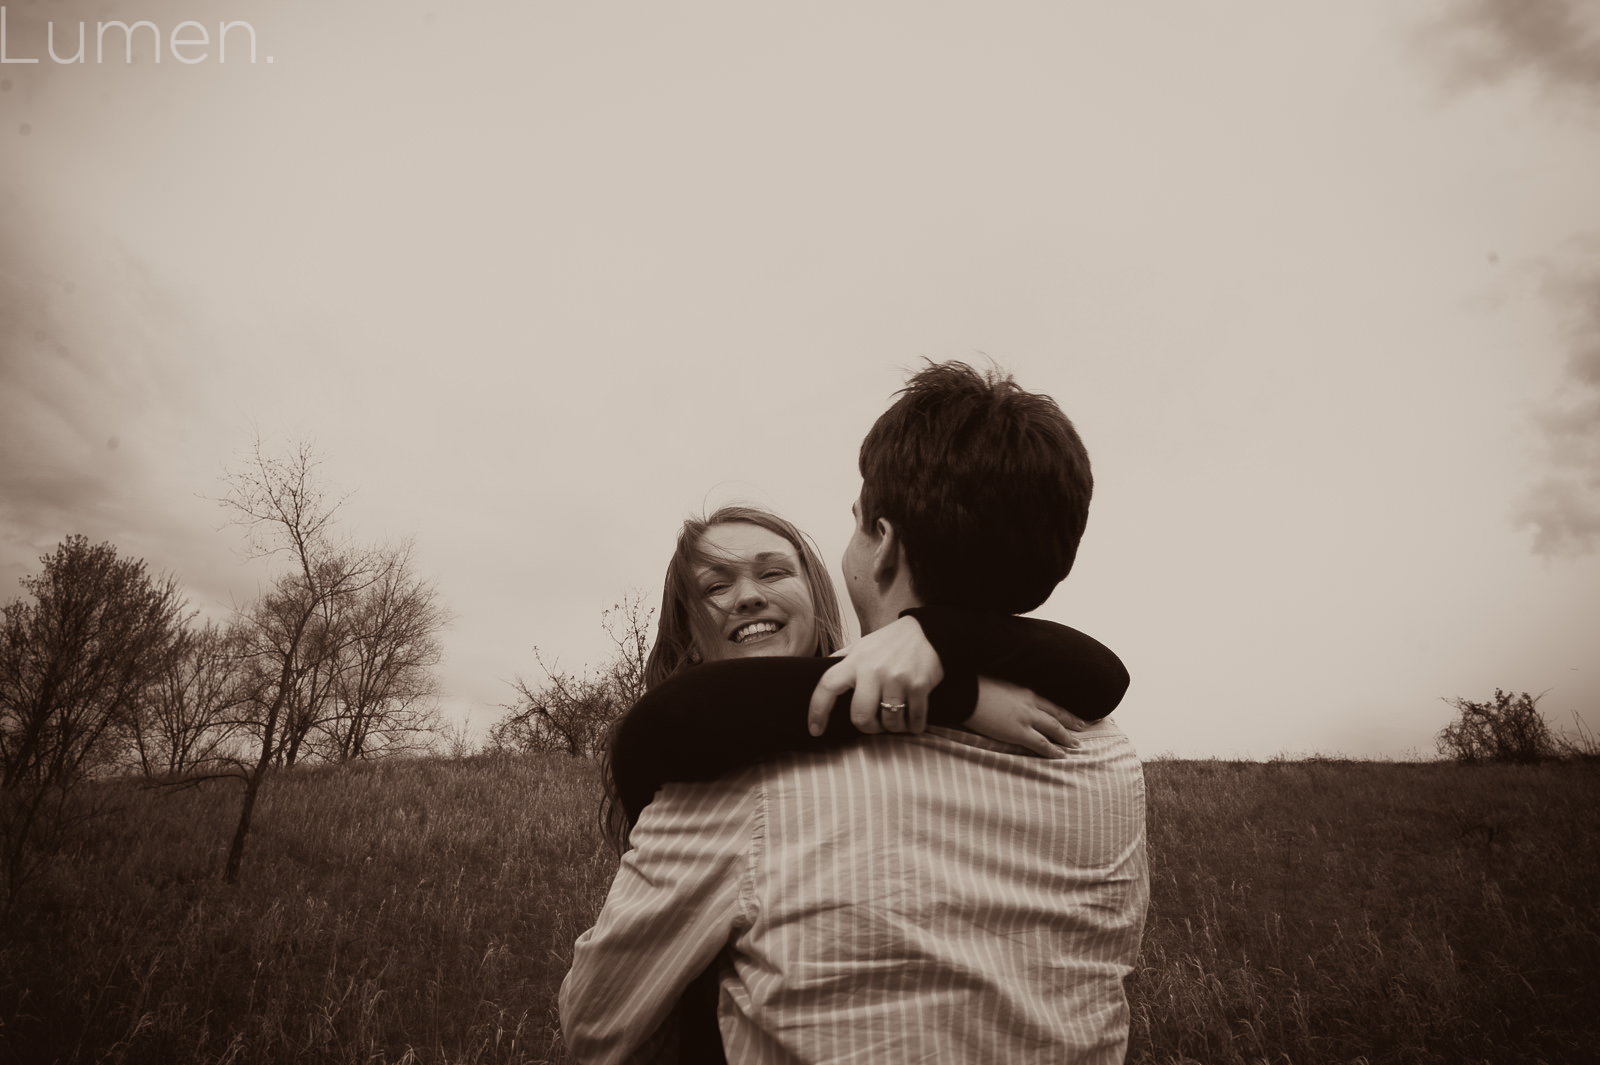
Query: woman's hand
x=1012 y=714
x=892 y=671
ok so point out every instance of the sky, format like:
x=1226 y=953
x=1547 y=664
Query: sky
x=1319 y=284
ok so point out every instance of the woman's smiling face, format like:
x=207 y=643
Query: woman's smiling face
x=755 y=594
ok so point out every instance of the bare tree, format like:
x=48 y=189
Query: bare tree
x=384 y=680
x=454 y=740
x=290 y=645
x=628 y=625
x=363 y=678
x=76 y=666
x=285 y=511
x=574 y=713
x=311 y=697
x=569 y=712
x=191 y=713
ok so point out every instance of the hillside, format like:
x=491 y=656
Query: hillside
x=425 y=910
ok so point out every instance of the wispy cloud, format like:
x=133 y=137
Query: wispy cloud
x=52 y=430
x=1563 y=507
x=1484 y=42
x=95 y=399
x=1556 y=43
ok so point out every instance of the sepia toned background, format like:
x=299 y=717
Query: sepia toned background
x=1319 y=284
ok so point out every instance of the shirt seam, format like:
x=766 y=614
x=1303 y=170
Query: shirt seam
x=753 y=854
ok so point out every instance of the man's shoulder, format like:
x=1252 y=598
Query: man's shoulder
x=1103 y=746
x=737 y=786
x=703 y=815
x=941 y=750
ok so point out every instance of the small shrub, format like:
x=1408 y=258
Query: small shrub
x=1508 y=729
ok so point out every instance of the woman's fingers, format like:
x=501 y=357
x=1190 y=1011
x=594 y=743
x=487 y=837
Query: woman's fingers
x=1055 y=732
x=892 y=672
x=896 y=668
x=894 y=712
x=864 y=705
x=903 y=706
x=884 y=702
x=1039 y=744
x=870 y=710
x=834 y=683
x=917 y=711
x=1065 y=717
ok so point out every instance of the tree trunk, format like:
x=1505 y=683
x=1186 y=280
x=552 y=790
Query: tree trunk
x=230 y=873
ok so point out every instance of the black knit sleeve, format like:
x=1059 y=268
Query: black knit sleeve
x=1070 y=668
x=724 y=716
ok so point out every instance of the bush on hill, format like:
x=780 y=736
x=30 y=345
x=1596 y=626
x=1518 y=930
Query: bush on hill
x=1507 y=729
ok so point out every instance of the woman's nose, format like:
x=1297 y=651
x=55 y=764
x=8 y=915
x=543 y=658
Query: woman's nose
x=748 y=595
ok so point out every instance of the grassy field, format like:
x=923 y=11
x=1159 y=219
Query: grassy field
x=424 y=911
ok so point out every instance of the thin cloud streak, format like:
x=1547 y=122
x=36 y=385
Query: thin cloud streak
x=49 y=430
x=1485 y=43
x=103 y=384
x=1488 y=41
x=1564 y=506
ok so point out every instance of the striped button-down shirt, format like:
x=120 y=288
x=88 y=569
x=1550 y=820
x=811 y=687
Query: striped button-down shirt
x=934 y=898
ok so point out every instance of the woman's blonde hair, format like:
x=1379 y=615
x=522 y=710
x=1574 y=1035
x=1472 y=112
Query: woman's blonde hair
x=686 y=629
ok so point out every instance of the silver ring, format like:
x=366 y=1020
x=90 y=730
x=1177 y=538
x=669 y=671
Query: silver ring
x=891 y=708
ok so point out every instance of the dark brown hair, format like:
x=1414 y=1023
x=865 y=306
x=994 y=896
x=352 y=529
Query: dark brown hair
x=987 y=485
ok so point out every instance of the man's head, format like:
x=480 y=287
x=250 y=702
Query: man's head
x=974 y=493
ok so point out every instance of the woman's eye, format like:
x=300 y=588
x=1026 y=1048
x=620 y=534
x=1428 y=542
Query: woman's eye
x=712 y=591
x=773 y=574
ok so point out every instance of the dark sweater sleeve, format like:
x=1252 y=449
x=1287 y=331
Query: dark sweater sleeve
x=1070 y=668
x=724 y=716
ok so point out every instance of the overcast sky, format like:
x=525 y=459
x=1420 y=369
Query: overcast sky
x=1318 y=282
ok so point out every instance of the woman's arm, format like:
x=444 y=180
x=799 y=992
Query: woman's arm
x=1069 y=668
x=724 y=716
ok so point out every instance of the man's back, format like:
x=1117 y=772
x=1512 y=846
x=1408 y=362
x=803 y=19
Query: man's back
x=936 y=897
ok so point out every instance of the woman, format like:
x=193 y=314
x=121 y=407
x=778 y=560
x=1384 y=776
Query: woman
x=747 y=599
x=699 y=596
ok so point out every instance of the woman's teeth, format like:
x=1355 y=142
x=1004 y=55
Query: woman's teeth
x=754 y=631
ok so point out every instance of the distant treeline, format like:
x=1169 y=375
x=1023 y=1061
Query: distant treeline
x=104 y=669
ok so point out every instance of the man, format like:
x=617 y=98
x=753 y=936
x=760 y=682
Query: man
x=938 y=896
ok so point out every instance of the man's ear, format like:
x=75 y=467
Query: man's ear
x=889 y=556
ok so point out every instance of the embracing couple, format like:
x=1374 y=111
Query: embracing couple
x=967 y=881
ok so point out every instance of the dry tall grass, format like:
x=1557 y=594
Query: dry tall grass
x=424 y=911
x=1371 y=912
x=399 y=911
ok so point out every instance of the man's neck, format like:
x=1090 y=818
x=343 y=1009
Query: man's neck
x=887 y=610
